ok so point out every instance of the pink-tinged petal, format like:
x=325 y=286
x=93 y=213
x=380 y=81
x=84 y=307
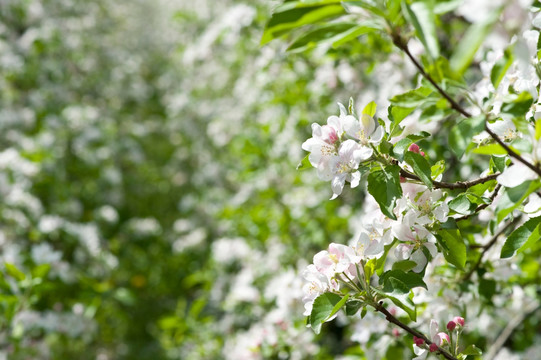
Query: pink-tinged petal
x=402 y=232
x=335 y=122
x=403 y=251
x=442 y=339
x=433 y=328
x=459 y=320
x=515 y=175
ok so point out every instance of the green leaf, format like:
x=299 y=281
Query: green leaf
x=519 y=106
x=420 y=14
x=295 y=14
x=472 y=350
x=522 y=237
x=417 y=137
x=397 y=113
x=462 y=205
x=462 y=134
x=500 y=68
x=420 y=167
x=401 y=147
x=304 y=164
x=454 y=249
x=537 y=129
x=499 y=162
x=471 y=41
x=412 y=98
x=404 y=265
x=325 y=306
x=370 y=109
x=354 y=33
x=514 y=197
x=492 y=149
x=352 y=306
x=398 y=282
x=402 y=301
x=384 y=186
x=365 y=5
x=334 y=34
x=437 y=169
x=14 y=272
x=318 y=35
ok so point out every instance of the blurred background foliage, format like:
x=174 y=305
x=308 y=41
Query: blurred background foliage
x=134 y=135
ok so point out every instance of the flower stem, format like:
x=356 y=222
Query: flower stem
x=390 y=318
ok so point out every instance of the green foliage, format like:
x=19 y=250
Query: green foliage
x=453 y=247
x=522 y=238
x=325 y=306
x=295 y=14
x=420 y=166
x=384 y=186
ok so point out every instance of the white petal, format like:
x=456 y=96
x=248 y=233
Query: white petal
x=337 y=185
x=377 y=135
x=355 y=179
x=343 y=111
x=368 y=123
x=515 y=175
x=420 y=259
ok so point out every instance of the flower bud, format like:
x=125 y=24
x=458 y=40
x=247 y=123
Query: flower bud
x=414 y=148
x=402 y=179
x=396 y=333
x=451 y=325
x=444 y=338
x=418 y=341
x=459 y=320
x=433 y=347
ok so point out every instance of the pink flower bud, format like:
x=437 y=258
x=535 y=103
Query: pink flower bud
x=451 y=325
x=459 y=320
x=433 y=347
x=443 y=338
x=402 y=179
x=418 y=341
x=422 y=153
x=396 y=333
x=414 y=148
x=393 y=311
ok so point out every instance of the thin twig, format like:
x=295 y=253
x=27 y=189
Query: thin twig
x=511 y=152
x=456 y=185
x=487 y=247
x=402 y=45
x=390 y=318
x=482 y=206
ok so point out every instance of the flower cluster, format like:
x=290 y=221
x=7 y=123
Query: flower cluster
x=338 y=148
x=438 y=339
x=339 y=263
